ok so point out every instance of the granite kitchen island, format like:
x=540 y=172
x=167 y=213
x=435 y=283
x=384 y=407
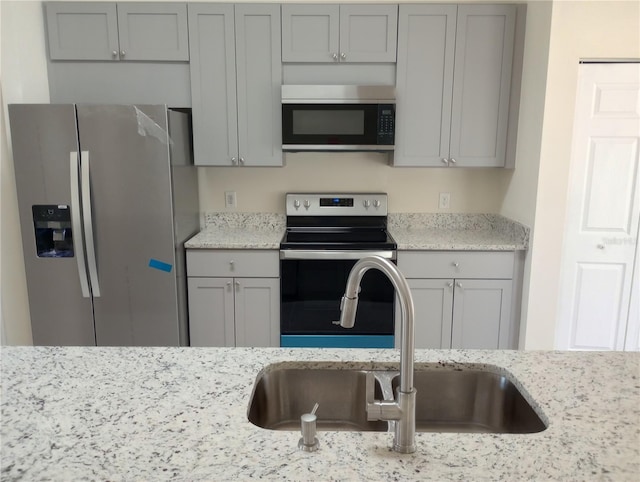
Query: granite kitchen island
x=181 y=414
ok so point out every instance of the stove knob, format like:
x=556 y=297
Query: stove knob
x=296 y=204
x=307 y=203
x=366 y=203
x=376 y=203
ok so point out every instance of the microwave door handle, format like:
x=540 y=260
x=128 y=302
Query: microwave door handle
x=76 y=223
x=88 y=223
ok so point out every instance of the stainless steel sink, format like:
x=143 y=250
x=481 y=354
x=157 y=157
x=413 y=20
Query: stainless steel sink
x=282 y=395
x=450 y=398
x=471 y=400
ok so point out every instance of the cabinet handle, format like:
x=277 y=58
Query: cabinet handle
x=241 y=160
x=343 y=56
x=123 y=53
x=237 y=283
x=234 y=161
x=445 y=161
x=450 y=284
x=452 y=160
x=600 y=246
x=228 y=284
x=458 y=284
x=335 y=57
x=231 y=264
x=455 y=264
x=114 y=54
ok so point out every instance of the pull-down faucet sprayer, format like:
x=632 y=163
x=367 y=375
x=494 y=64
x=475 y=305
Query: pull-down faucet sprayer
x=403 y=408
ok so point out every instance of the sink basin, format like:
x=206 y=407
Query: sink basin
x=450 y=398
x=470 y=400
x=282 y=395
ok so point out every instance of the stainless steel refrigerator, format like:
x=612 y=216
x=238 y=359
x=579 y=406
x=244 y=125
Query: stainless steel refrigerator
x=107 y=196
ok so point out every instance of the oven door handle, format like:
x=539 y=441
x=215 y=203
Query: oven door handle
x=328 y=254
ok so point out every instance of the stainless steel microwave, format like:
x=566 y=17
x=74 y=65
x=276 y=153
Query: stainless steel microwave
x=338 y=117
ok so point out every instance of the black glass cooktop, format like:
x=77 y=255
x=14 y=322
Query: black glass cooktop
x=335 y=238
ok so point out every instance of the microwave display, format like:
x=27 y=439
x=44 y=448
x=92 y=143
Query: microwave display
x=338 y=126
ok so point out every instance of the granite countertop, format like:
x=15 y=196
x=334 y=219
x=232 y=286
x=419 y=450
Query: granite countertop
x=412 y=231
x=240 y=231
x=466 y=232
x=81 y=413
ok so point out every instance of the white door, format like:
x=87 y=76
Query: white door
x=603 y=211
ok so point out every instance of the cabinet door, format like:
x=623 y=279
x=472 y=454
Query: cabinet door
x=481 y=311
x=368 y=33
x=213 y=84
x=433 y=305
x=310 y=33
x=82 y=31
x=211 y=312
x=259 y=82
x=426 y=42
x=257 y=306
x=482 y=82
x=153 y=31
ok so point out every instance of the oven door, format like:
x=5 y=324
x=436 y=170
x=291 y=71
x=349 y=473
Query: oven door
x=312 y=285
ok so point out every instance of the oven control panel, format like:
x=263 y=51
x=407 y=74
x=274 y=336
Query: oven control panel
x=336 y=204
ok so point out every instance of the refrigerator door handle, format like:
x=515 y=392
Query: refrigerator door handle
x=76 y=224
x=87 y=217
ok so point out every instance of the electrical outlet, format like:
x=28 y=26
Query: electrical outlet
x=230 y=201
x=445 y=200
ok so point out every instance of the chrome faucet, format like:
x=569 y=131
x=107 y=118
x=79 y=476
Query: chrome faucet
x=403 y=408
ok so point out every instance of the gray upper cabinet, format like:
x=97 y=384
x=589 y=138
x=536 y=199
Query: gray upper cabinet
x=236 y=76
x=454 y=75
x=122 y=31
x=153 y=31
x=82 y=31
x=339 y=33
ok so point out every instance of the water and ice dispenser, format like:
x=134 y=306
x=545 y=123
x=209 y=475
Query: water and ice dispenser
x=54 y=237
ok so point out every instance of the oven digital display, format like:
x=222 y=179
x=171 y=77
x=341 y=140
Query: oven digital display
x=336 y=201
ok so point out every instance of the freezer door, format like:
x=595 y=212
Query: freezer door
x=43 y=139
x=128 y=173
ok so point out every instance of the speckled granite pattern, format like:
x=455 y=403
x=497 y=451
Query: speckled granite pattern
x=412 y=231
x=240 y=231
x=181 y=414
x=434 y=231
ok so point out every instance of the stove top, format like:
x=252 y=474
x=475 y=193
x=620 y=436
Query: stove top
x=337 y=221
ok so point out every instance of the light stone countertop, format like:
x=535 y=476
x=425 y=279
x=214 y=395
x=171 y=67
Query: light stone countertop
x=465 y=232
x=240 y=231
x=85 y=413
x=411 y=231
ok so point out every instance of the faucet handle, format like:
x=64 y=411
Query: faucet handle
x=373 y=411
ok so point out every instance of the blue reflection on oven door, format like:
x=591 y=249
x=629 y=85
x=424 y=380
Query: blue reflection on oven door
x=337 y=341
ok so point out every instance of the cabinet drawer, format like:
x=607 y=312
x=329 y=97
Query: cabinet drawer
x=456 y=264
x=233 y=262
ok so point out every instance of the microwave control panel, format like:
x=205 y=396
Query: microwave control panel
x=386 y=124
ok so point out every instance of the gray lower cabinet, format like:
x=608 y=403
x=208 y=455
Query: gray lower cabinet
x=454 y=81
x=236 y=77
x=117 y=31
x=339 y=33
x=234 y=298
x=461 y=299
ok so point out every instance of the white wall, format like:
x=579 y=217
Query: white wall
x=520 y=190
x=591 y=29
x=409 y=189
